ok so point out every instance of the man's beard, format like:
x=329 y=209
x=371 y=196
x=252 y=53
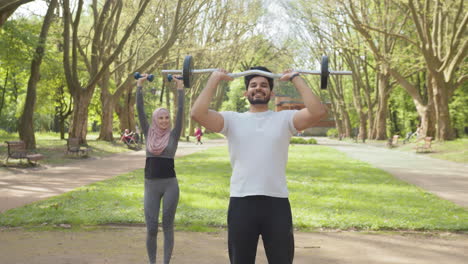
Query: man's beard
x=254 y=101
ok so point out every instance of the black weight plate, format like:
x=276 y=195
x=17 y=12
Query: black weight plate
x=324 y=73
x=187 y=71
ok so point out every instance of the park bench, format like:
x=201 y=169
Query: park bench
x=426 y=146
x=17 y=150
x=393 y=141
x=74 y=147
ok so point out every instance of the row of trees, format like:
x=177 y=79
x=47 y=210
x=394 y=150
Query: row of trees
x=418 y=46
x=407 y=59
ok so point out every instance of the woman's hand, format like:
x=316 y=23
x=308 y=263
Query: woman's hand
x=142 y=80
x=179 y=82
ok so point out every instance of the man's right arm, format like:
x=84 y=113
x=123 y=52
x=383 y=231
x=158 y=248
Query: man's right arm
x=200 y=112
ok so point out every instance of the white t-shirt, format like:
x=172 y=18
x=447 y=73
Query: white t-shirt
x=258 y=147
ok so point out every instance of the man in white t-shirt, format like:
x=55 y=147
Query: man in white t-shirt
x=258 y=148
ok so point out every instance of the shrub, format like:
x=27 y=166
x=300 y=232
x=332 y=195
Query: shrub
x=333 y=133
x=299 y=140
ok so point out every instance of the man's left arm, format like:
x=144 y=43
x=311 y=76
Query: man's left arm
x=314 y=110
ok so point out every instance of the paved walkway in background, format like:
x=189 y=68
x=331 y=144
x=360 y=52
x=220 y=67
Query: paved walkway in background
x=22 y=186
x=448 y=180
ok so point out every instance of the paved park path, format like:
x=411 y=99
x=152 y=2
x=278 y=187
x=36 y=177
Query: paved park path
x=125 y=244
x=448 y=180
x=22 y=186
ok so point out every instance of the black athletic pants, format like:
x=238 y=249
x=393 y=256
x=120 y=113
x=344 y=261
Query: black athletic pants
x=251 y=216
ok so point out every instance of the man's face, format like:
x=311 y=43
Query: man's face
x=258 y=91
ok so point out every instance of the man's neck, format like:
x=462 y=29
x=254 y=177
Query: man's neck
x=256 y=108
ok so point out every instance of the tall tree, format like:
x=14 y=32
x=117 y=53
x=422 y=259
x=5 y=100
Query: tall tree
x=26 y=124
x=441 y=28
x=381 y=15
x=437 y=30
x=151 y=61
x=82 y=89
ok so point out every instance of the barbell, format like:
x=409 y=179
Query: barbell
x=188 y=71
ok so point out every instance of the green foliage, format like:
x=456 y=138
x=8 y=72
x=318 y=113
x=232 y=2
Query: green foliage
x=333 y=133
x=300 y=140
x=213 y=135
x=18 y=40
x=6 y=136
x=459 y=110
x=327 y=190
x=236 y=101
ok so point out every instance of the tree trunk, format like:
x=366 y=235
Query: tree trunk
x=107 y=118
x=126 y=111
x=62 y=110
x=346 y=122
x=382 y=107
x=427 y=114
x=62 y=128
x=2 y=102
x=79 y=124
x=26 y=122
x=334 y=110
x=107 y=109
x=442 y=113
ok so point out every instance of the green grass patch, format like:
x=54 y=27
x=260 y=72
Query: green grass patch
x=453 y=150
x=327 y=190
x=213 y=135
x=206 y=136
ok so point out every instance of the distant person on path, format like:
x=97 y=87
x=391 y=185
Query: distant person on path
x=198 y=135
x=408 y=137
x=127 y=136
x=258 y=146
x=160 y=177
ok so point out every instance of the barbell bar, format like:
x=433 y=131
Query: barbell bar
x=188 y=71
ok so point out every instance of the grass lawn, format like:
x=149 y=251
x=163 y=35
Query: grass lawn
x=53 y=148
x=327 y=190
x=454 y=150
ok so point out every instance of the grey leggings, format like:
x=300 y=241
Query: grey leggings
x=167 y=190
